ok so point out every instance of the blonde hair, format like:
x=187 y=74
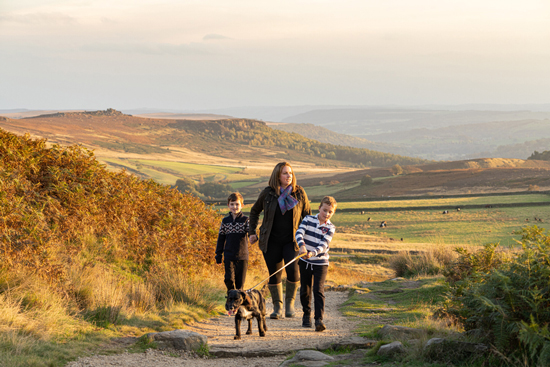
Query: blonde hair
x=274 y=182
x=330 y=201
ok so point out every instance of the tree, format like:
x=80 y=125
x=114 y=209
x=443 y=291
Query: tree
x=215 y=190
x=397 y=170
x=366 y=180
x=187 y=185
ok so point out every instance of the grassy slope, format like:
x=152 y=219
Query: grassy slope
x=88 y=255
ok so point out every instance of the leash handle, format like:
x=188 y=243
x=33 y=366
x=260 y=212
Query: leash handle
x=287 y=264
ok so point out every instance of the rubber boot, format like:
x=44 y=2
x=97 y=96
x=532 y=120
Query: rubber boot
x=290 y=297
x=276 y=291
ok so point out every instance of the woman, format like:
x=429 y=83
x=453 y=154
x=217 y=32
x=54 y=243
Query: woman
x=284 y=204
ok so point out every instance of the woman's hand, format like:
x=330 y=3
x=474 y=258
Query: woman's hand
x=253 y=238
x=309 y=254
x=302 y=250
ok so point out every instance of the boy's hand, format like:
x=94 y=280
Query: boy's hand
x=302 y=250
x=253 y=238
x=309 y=254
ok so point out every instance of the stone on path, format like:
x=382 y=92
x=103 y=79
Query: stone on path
x=179 y=339
x=439 y=349
x=308 y=358
x=352 y=342
x=399 y=332
x=391 y=349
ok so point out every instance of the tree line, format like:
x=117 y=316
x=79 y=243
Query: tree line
x=257 y=133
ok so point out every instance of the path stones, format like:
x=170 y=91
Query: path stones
x=390 y=350
x=179 y=339
x=308 y=358
x=401 y=332
x=439 y=349
x=353 y=342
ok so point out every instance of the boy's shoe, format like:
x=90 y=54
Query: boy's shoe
x=319 y=326
x=306 y=321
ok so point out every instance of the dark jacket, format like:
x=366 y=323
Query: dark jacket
x=267 y=201
x=233 y=238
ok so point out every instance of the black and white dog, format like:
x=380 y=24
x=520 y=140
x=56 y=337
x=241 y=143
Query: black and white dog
x=245 y=306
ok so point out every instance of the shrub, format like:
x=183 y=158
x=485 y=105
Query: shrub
x=507 y=298
x=431 y=262
x=366 y=180
x=93 y=238
x=56 y=201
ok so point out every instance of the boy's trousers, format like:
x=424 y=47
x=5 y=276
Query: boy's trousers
x=235 y=273
x=312 y=280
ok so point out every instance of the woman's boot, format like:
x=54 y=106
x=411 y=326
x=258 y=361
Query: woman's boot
x=276 y=291
x=290 y=298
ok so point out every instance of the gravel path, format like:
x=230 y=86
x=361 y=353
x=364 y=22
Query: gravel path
x=283 y=337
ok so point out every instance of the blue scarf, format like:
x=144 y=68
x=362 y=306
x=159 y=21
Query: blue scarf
x=286 y=201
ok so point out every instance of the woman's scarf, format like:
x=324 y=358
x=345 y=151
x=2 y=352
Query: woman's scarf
x=287 y=201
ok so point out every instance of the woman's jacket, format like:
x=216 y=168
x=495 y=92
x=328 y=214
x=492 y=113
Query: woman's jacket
x=267 y=201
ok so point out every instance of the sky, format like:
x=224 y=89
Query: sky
x=208 y=54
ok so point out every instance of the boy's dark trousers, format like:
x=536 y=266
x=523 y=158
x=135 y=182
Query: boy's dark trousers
x=313 y=276
x=235 y=273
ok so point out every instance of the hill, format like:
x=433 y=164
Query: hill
x=118 y=138
x=324 y=135
x=492 y=175
x=437 y=134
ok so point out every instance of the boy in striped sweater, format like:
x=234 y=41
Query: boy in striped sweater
x=313 y=237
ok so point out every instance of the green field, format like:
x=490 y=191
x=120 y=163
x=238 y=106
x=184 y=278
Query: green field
x=320 y=191
x=167 y=172
x=451 y=202
x=473 y=227
x=466 y=227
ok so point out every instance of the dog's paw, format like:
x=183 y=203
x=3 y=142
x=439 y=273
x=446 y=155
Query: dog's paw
x=248 y=332
x=236 y=337
x=262 y=334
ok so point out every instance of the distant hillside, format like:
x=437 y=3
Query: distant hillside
x=324 y=135
x=432 y=134
x=257 y=133
x=357 y=121
x=523 y=150
x=233 y=138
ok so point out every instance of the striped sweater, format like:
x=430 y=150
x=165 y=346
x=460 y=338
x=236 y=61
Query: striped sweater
x=316 y=237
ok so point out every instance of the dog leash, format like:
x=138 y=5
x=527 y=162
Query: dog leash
x=287 y=264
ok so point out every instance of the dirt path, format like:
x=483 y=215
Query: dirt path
x=283 y=337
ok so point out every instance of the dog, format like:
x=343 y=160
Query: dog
x=245 y=306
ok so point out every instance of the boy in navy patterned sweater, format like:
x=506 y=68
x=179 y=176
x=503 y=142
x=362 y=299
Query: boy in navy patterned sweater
x=233 y=243
x=313 y=237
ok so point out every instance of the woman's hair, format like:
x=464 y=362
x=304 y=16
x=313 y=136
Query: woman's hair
x=274 y=182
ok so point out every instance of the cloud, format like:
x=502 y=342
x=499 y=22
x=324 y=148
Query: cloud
x=106 y=20
x=148 y=48
x=39 y=18
x=215 y=37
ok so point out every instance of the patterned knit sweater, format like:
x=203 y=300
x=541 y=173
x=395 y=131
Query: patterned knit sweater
x=233 y=238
